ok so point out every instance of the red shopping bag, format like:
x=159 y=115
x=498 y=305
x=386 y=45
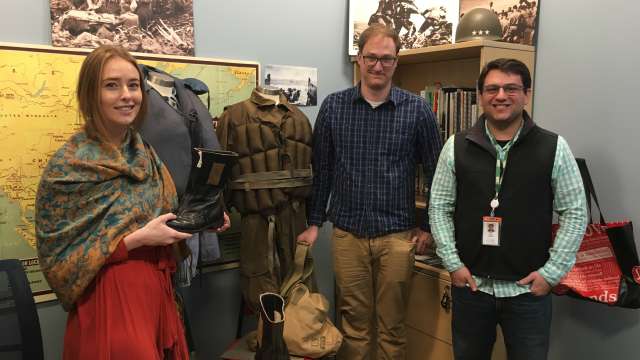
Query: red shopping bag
x=596 y=274
x=607 y=269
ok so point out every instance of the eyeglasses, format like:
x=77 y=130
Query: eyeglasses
x=509 y=89
x=385 y=61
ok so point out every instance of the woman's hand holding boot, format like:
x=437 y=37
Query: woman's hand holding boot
x=155 y=233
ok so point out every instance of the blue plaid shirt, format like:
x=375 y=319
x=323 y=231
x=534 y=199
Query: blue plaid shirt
x=365 y=158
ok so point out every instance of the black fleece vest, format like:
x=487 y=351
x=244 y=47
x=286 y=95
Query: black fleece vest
x=526 y=201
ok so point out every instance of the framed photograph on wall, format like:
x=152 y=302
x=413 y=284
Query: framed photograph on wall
x=149 y=26
x=518 y=18
x=298 y=83
x=418 y=23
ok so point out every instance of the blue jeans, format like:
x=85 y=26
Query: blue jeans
x=525 y=321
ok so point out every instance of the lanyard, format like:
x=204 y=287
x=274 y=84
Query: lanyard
x=501 y=164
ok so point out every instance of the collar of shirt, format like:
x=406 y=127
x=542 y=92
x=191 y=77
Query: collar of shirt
x=396 y=96
x=479 y=135
x=261 y=101
x=499 y=148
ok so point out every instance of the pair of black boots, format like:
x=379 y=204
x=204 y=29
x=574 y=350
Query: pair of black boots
x=202 y=205
x=271 y=345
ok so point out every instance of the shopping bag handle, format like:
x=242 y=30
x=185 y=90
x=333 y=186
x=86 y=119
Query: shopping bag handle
x=301 y=270
x=589 y=189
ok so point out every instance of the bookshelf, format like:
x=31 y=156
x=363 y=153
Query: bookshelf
x=459 y=65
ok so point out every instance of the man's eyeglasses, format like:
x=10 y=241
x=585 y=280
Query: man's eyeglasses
x=385 y=61
x=509 y=89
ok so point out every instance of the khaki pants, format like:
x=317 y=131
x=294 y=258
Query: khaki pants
x=373 y=277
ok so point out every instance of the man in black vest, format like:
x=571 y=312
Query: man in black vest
x=495 y=189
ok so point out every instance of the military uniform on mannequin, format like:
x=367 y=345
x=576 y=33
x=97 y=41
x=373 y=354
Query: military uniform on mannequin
x=172 y=108
x=270 y=184
x=166 y=127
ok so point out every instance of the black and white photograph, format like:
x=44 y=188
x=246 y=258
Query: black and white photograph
x=518 y=18
x=418 y=23
x=148 y=26
x=298 y=83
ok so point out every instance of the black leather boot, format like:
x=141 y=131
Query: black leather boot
x=271 y=345
x=201 y=206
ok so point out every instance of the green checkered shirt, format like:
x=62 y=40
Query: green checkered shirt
x=569 y=202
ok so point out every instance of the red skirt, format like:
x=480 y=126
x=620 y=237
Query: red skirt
x=128 y=312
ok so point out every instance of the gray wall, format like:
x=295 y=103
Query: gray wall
x=585 y=77
x=587 y=80
x=285 y=32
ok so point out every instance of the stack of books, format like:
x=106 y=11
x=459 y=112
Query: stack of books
x=455 y=108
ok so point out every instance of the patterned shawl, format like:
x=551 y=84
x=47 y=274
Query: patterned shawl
x=90 y=197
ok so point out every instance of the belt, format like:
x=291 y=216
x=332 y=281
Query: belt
x=273 y=179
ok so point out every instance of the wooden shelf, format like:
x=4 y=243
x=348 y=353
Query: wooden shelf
x=448 y=52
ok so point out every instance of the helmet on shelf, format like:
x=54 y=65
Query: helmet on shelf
x=479 y=23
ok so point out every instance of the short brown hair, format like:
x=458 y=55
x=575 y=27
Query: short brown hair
x=509 y=66
x=375 y=30
x=88 y=90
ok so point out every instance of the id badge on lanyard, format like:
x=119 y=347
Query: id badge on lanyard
x=491 y=230
x=491 y=225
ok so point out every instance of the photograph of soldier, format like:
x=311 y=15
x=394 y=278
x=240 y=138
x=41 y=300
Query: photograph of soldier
x=298 y=83
x=517 y=17
x=150 y=26
x=418 y=23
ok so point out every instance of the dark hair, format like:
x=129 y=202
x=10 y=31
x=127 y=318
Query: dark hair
x=88 y=90
x=509 y=66
x=375 y=30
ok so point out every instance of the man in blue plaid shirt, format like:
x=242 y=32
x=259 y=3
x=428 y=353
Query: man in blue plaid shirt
x=493 y=196
x=366 y=143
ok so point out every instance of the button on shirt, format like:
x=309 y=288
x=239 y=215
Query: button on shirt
x=364 y=159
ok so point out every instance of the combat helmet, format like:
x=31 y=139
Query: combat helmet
x=479 y=23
